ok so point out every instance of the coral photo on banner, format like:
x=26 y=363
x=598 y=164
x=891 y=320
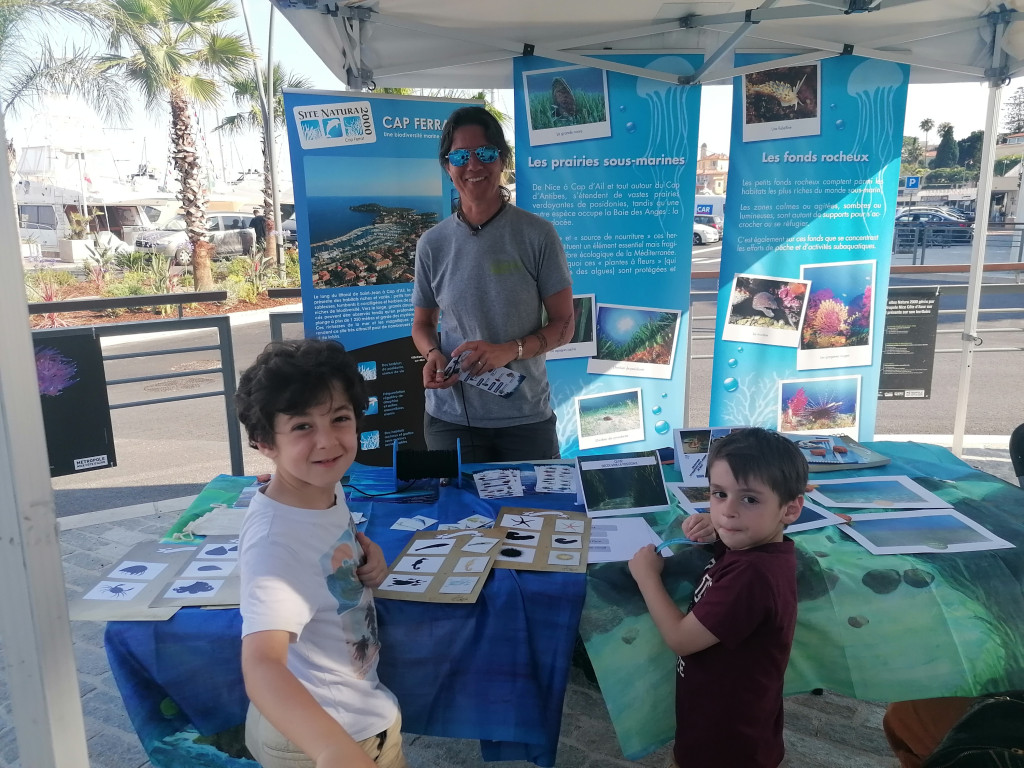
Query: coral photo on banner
x=610 y=160
x=809 y=212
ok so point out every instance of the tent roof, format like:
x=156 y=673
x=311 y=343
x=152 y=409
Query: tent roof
x=470 y=43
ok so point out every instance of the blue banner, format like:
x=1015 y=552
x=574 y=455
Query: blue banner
x=610 y=160
x=813 y=171
x=367 y=185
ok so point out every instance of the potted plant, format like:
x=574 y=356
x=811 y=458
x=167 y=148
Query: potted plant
x=79 y=244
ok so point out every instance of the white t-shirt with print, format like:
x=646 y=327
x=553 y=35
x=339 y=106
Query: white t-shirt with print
x=298 y=572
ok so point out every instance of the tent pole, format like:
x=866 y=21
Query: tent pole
x=34 y=613
x=969 y=337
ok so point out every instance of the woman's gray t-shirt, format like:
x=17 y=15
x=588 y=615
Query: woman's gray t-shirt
x=490 y=285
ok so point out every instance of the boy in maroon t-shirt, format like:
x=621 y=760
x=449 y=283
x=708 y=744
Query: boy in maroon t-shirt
x=733 y=643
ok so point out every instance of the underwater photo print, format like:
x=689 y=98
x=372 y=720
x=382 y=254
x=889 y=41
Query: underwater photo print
x=782 y=103
x=567 y=104
x=766 y=310
x=610 y=418
x=828 y=406
x=635 y=341
x=584 y=336
x=836 y=331
x=920 y=532
x=886 y=492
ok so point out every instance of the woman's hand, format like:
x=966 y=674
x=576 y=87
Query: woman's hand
x=433 y=371
x=484 y=357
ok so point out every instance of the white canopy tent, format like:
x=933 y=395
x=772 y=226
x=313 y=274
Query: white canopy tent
x=458 y=43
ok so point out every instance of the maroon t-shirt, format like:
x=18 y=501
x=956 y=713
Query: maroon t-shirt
x=729 y=696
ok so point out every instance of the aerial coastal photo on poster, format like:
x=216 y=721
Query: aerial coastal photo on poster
x=567 y=104
x=635 y=341
x=584 y=337
x=836 y=330
x=766 y=310
x=828 y=406
x=611 y=418
x=782 y=103
x=360 y=232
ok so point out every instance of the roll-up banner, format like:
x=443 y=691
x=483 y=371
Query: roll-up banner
x=610 y=159
x=810 y=205
x=367 y=184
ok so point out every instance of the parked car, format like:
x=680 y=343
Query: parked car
x=288 y=228
x=228 y=231
x=709 y=220
x=703 y=235
x=931 y=227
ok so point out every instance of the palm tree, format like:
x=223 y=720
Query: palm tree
x=174 y=50
x=30 y=66
x=926 y=125
x=246 y=94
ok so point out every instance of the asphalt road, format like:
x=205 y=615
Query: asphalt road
x=170 y=450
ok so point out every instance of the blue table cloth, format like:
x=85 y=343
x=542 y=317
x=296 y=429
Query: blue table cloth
x=495 y=670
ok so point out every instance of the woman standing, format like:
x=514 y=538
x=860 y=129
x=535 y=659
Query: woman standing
x=488 y=272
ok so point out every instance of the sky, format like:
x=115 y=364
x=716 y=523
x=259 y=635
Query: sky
x=145 y=137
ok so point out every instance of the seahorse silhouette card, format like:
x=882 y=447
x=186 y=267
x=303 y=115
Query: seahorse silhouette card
x=542 y=540
x=766 y=310
x=441 y=567
x=782 y=103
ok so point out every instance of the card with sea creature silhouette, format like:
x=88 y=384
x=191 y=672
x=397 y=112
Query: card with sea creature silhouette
x=566 y=104
x=609 y=418
x=584 y=336
x=692 y=446
x=542 y=540
x=621 y=483
x=124 y=591
x=635 y=341
x=825 y=406
x=209 y=579
x=920 y=532
x=837 y=327
x=766 y=310
x=883 y=492
x=782 y=103
x=441 y=567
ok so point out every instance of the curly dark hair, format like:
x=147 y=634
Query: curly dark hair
x=477 y=116
x=291 y=377
x=765 y=455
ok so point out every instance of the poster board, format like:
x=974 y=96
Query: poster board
x=549 y=540
x=441 y=567
x=73 y=394
x=908 y=345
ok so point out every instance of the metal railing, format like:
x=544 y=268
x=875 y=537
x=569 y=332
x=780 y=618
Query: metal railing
x=220 y=323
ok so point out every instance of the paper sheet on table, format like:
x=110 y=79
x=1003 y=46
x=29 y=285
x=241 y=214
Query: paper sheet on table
x=614 y=539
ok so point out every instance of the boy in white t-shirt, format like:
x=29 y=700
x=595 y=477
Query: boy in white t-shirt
x=309 y=627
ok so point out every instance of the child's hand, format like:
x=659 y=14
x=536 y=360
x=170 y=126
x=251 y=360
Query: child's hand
x=375 y=567
x=700 y=529
x=646 y=564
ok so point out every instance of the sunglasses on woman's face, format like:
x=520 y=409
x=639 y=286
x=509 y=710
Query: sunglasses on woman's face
x=486 y=154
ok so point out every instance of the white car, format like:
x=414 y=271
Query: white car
x=702 y=235
x=229 y=232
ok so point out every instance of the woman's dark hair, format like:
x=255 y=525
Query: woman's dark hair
x=291 y=377
x=765 y=455
x=480 y=117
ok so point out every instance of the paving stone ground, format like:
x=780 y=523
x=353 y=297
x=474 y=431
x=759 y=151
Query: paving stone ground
x=828 y=731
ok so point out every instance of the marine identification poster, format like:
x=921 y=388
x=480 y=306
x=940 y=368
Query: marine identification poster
x=367 y=184
x=809 y=213
x=610 y=159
